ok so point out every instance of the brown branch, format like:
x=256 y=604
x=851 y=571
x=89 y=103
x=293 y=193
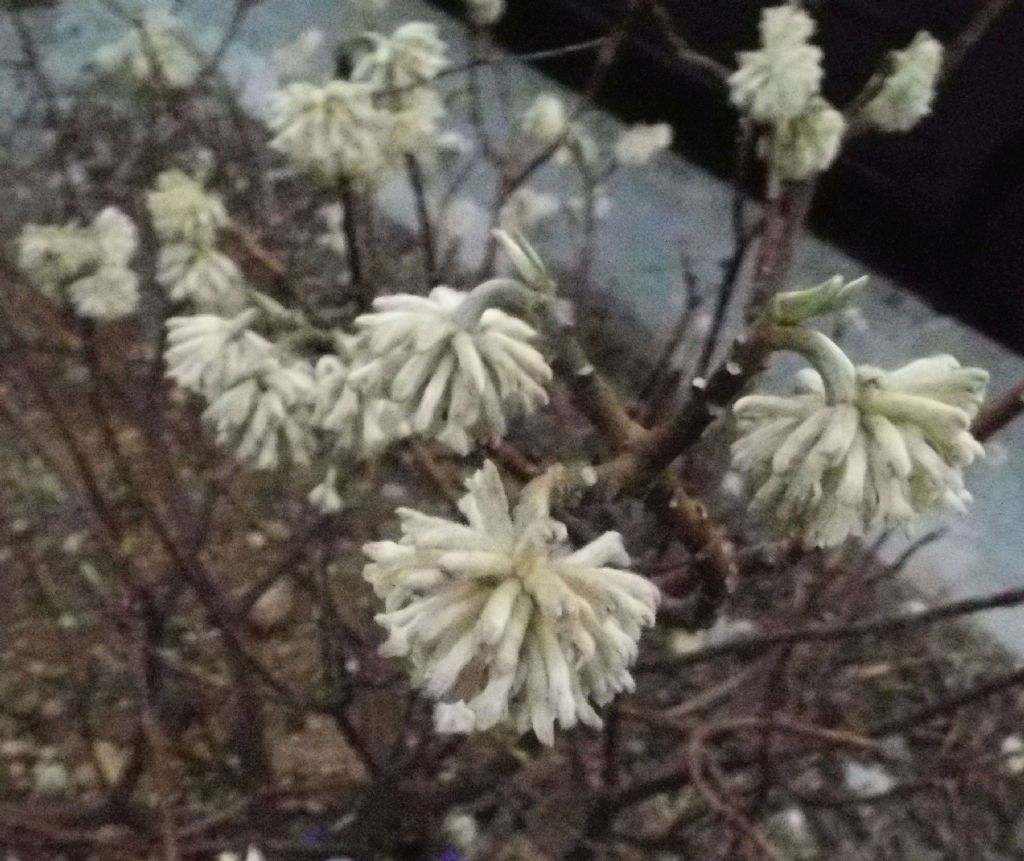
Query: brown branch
x=971 y=35
x=707 y=67
x=948 y=705
x=999 y=413
x=596 y=395
x=697 y=759
x=714 y=557
x=886 y=626
x=417 y=182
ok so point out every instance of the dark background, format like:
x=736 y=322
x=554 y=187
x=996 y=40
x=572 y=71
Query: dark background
x=941 y=208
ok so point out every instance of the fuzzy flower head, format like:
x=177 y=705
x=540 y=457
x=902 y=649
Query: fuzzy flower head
x=776 y=82
x=501 y=619
x=458 y=365
x=90 y=265
x=809 y=143
x=51 y=255
x=265 y=415
x=861 y=448
x=414 y=123
x=908 y=90
x=332 y=132
x=201 y=275
x=411 y=56
x=545 y=120
x=207 y=353
x=638 y=144
x=485 y=13
x=110 y=293
x=183 y=211
x=363 y=423
x=155 y=49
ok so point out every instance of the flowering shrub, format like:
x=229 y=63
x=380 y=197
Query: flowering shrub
x=330 y=386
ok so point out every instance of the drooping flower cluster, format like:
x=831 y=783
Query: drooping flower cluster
x=188 y=219
x=355 y=130
x=501 y=619
x=452 y=366
x=266 y=413
x=332 y=132
x=877 y=448
x=457 y=365
x=155 y=49
x=89 y=266
x=401 y=68
x=259 y=401
x=779 y=85
x=908 y=89
x=411 y=56
x=638 y=144
x=363 y=421
x=207 y=353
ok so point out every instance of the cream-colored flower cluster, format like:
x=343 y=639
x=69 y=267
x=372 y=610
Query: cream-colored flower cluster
x=362 y=421
x=265 y=413
x=485 y=13
x=356 y=130
x=450 y=366
x=187 y=220
x=88 y=266
x=333 y=132
x=775 y=83
x=779 y=86
x=907 y=91
x=458 y=366
x=155 y=49
x=638 y=144
x=864 y=448
x=259 y=402
x=501 y=619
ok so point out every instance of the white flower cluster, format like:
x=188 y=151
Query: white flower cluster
x=266 y=411
x=775 y=83
x=362 y=421
x=638 y=144
x=545 y=120
x=780 y=86
x=809 y=143
x=87 y=265
x=355 y=130
x=457 y=367
x=880 y=448
x=411 y=56
x=332 y=132
x=155 y=49
x=485 y=13
x=259 y=402
x=906 y=93
x=502 y=619
x=187 y=220
x=449 y=366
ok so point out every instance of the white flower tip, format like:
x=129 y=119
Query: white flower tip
x=454 y=718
